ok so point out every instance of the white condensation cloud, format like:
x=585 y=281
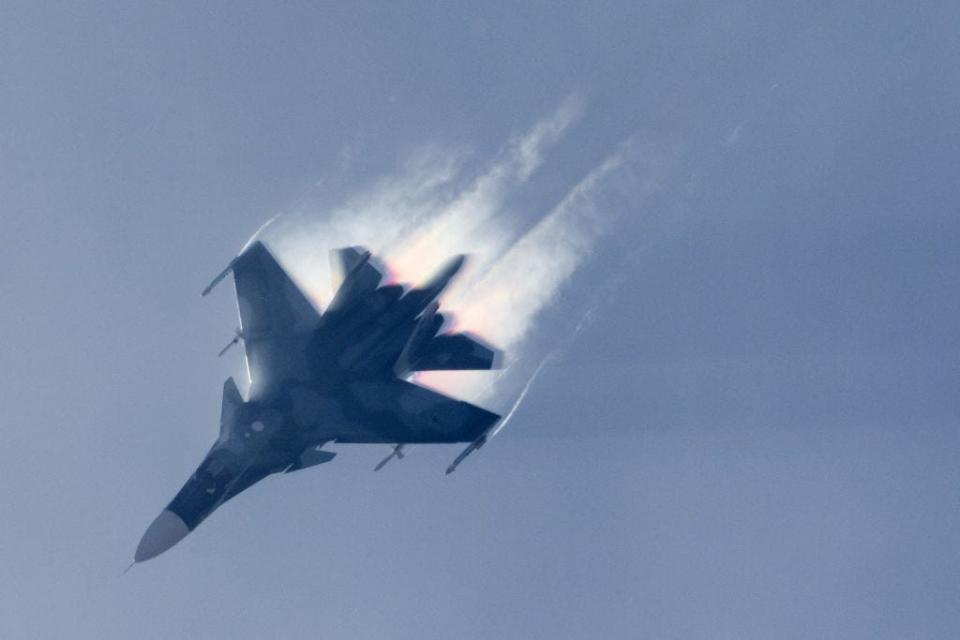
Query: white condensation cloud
x=418 y=218
x=522 y=281
x=375 y=217
x=469 y=224
x=503 y=305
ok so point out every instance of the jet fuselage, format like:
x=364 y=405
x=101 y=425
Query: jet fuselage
x=316 y=379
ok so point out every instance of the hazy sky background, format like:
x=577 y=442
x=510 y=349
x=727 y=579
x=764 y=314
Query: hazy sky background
x=754 y=434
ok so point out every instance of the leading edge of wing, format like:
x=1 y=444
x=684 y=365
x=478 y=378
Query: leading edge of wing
x=270 y=302
x=400 y=411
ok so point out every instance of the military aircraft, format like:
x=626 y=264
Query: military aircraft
x=339 y=376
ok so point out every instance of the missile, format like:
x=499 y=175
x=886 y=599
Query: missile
x=473 y=446
x=500 y=424
x=396 y=453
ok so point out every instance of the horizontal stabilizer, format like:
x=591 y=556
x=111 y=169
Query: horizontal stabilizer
x=456 y=352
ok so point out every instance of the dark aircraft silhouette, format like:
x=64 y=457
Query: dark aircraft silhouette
x=335 y=377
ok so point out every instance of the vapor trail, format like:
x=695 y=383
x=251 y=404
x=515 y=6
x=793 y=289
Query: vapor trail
x=585 y=319
x=417 y=218
x=523 y=394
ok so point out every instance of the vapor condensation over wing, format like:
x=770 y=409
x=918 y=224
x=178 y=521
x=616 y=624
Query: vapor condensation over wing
x=415 y=222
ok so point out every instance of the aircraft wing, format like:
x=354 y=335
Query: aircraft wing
x=273 y=310
x=399 y=411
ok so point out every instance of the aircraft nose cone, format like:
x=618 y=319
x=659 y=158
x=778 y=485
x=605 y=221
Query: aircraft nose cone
x=167 y=530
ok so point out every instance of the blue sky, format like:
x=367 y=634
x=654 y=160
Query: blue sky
x=753 y=434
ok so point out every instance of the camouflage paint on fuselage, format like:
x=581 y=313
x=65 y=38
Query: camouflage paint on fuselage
x=332 y=378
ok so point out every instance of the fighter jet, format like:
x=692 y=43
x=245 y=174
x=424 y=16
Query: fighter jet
x=314 y=379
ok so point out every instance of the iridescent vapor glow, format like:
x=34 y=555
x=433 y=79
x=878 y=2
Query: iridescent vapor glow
x=415 y=220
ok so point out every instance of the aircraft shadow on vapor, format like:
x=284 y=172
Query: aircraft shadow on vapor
x=339 y=376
